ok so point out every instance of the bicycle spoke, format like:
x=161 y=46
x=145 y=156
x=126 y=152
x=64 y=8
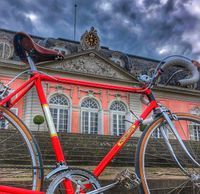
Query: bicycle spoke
x=175 y=189
x=17 y=155
x=174 y=180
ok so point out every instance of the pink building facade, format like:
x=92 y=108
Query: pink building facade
x=80 y=109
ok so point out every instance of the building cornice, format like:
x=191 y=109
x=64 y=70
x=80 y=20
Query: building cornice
x=88 y=76
x=177 y=90
x=14 y=62
x=19 y=66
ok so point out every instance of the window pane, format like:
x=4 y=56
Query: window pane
x=59 y=100
x=89 y=116
x=194 y=127
x=121 y=124
x=54 y=114
x=85 y=122
x=118 y=106
x=90 y=103
x=63 y=120
x=118 y=111
x=196 y=132
x=114 y=125
x=94 y=123
x=59 y=107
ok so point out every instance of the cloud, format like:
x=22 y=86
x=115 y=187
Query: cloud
x=150 y=28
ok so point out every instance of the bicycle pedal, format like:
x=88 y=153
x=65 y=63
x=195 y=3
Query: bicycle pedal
x=128 y=179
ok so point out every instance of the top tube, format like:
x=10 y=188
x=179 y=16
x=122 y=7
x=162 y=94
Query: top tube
x=143 y=90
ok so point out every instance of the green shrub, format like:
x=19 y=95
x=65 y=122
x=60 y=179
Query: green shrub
x=38 y=120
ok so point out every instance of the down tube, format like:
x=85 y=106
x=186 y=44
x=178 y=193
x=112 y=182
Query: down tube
x=124 y=138
x=52 y=130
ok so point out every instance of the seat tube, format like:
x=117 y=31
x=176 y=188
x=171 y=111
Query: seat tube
x=52 y=130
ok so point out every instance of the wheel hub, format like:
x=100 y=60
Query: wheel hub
x=195 y=178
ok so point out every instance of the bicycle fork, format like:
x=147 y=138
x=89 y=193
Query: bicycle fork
x=174 y=131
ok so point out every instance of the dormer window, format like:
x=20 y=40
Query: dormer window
x=6 y=49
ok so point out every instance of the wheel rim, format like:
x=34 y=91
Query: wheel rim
x=18 y=154
x=157 y=168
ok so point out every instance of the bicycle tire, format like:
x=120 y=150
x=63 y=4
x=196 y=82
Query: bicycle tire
x=155 y=166
x=20 y=159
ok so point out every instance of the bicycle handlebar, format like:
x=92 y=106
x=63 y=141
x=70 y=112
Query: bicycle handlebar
x=183 y=62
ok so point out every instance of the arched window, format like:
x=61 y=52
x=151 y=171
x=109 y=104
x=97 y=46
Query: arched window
x=6 y=49
x=90 y=116
x=195 y=127
x=118 y=112
x=60 y=111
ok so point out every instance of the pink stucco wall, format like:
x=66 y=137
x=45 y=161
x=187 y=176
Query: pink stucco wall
x=105 y=97
x=14 y=85
x=180 y=106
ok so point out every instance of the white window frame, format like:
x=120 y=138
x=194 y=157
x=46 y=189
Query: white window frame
x=5 y=44
x=195 y=127
x=90 y=110
x=58 y=108
x=118 y=113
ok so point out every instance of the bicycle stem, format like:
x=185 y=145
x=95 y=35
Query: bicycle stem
x=171 y=125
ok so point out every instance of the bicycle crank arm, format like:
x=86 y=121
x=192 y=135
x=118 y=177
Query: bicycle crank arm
x=105 y=188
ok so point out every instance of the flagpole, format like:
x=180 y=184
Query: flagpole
x=75 y=7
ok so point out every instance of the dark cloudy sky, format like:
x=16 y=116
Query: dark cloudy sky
x=150 y=28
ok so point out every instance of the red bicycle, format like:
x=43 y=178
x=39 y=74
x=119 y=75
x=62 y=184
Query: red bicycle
x=180 y=161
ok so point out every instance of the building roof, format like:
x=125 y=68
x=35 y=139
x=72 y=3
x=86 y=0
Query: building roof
x=131 y=63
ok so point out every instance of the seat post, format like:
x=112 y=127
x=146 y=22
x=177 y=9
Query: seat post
x=31 y=63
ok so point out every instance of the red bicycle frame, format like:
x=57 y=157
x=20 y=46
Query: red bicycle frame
x=36 y=80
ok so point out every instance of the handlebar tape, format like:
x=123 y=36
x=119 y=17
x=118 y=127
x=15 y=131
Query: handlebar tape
x=186 y=64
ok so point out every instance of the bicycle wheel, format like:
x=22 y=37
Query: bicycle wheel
x=20 y=159
x=158 y=171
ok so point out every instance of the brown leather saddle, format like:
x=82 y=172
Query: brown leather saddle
x=24 y=45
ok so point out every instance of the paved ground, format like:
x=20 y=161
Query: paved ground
x=159 y=176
